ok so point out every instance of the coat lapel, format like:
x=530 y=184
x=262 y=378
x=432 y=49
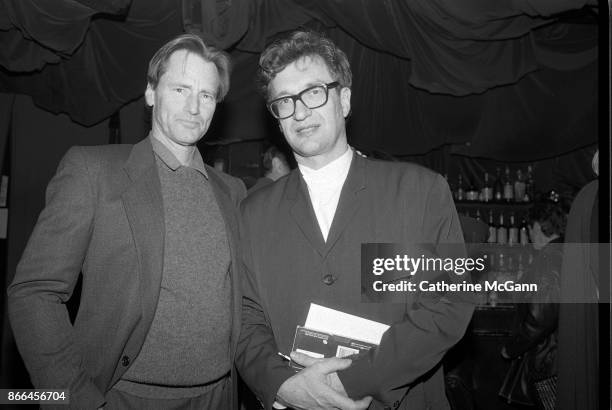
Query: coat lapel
x=143 y=204
x=349 y=202
x=302 y=212
x=229 y=212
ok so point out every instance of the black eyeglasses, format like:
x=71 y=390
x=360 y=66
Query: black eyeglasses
x=312 y=97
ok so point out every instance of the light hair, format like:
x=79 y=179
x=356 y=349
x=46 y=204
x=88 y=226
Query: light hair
x=192 y=44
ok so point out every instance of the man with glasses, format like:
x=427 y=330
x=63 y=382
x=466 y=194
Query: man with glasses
x=302 y=238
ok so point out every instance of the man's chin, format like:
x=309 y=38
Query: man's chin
x=191 y=136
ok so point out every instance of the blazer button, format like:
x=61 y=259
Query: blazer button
x=329 y=279
x=125 y=361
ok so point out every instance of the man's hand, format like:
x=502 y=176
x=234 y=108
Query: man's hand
x=318 y=386
x=332 y=378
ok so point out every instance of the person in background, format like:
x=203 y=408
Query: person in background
x=275 y=165
x=302 y=238
x=533 y=347
x=154 y=232
x=579 y=361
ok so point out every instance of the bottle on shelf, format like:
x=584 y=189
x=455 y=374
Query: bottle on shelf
x=492 y=229
x=498 y=188
x=478 y=217
x=472 y=193
x=501 y=264
x=513 y=231
x=460 y=193
x=508 y=187
x=519 y=187
x=487 y=189
x=502 y=231
x=529 y=186
x=524 y=232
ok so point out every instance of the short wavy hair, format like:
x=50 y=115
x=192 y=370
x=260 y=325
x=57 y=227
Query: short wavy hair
x=193 y=44
x=550 y=215
x=297 y=44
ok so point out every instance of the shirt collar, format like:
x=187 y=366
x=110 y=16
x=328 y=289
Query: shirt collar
x=330 y=173
x=168 y=158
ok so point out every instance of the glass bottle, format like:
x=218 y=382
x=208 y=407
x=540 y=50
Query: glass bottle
x=492 y=229
x=513 y=231
x=487 y=189
x=472 y=193
x=460 y=196
x=498 y=188
x=519 y=186
x=508 y=188
x=502 y=231
x=530 y=186
x=524 y=232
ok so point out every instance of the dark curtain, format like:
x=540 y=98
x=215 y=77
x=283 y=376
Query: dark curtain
x=99 y=56
x=499 y=79
x=456 y=47
x=548 y=112
x=508 y=81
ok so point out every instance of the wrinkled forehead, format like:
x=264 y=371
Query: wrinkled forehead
x=179 y=61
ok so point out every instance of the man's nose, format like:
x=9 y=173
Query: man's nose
x=301 y=111
x=193 y=104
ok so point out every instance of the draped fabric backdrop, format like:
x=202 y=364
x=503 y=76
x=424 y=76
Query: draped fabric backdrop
x=502 y=79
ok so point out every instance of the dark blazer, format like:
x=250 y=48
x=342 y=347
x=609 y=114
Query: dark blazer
x=533 y=346
x=286 y=258
x=103 y=216
x=579 y=342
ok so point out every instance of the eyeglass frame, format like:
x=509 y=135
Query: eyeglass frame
x=298 y=96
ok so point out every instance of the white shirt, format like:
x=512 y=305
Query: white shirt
x=324 y=187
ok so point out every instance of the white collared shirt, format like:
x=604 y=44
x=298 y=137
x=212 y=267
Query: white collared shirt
x=324 y=187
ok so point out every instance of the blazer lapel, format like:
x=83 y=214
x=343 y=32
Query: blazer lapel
x=349 y=201
x=230 y=217
x=302 y=213
x=143 y=204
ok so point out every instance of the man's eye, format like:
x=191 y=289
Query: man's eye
x=207 y=97
x=179 y=90
x=285 y=101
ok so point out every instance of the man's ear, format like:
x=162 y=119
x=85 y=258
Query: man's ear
x=345 y=100
x=150 y=95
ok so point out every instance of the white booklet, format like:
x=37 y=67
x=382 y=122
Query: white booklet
x=343 y=324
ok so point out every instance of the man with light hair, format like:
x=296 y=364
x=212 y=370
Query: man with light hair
x=153 y=231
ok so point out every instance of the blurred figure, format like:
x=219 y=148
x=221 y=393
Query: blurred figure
x=534 y=345
x=275 y=166
x=579 y=322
